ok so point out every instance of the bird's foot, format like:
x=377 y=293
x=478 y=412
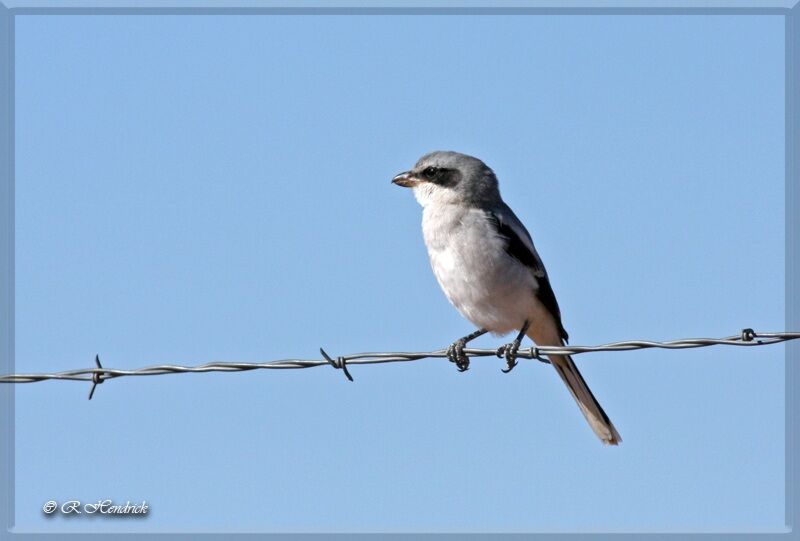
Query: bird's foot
x=455 y=354
x=509 y=351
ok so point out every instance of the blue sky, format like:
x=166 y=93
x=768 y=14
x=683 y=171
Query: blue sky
x=197 y=188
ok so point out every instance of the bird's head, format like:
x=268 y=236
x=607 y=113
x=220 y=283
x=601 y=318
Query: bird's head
x=445 y=177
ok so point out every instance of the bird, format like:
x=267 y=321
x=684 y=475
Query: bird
x=485 y=262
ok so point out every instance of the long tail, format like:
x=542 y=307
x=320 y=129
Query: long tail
x=589 y=405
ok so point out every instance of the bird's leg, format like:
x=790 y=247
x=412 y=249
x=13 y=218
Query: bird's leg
x=509 y=351
x=455 y=353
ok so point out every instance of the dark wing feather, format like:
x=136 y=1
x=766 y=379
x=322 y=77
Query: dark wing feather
x=548 y=298
x=519 y=250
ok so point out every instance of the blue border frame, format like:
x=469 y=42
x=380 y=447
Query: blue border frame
x=792 y=257
x=7 y=260
x=10 y=8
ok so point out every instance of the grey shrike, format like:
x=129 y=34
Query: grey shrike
x=485 y=261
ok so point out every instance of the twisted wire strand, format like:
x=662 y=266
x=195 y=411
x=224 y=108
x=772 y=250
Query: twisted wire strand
x=99 y=374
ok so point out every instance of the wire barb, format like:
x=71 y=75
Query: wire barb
x=99 y=374
x=534 y=353
x=340 y=364
x=97 y=377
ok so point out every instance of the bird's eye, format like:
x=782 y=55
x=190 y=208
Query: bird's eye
x=430 y=172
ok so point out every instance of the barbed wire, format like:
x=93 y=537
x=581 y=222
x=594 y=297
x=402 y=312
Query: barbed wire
x=99 y=374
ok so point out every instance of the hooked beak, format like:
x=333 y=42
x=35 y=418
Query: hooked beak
x=406 y=180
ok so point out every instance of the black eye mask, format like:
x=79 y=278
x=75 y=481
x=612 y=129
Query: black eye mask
x=441 y=176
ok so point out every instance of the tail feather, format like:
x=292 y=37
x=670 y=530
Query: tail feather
x=589 y=405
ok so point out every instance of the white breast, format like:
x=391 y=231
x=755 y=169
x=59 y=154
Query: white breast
x=490 y=288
